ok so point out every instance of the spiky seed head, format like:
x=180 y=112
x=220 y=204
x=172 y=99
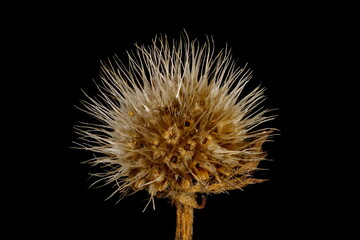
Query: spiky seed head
x=174 y=122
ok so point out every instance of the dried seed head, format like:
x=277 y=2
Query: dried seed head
x=174 y=122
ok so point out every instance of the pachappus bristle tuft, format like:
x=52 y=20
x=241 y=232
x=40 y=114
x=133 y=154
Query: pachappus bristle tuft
x=174 y=121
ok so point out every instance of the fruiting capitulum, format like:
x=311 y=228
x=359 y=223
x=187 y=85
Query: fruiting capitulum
x=174 y=122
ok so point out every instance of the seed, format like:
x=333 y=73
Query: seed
x=224 y=171
x=186 y=182
x=163 y=185
x=203 y=174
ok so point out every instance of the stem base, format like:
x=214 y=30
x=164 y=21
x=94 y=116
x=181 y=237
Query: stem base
x=184 y=222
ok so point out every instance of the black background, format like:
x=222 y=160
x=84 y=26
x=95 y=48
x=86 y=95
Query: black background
x=283 y=46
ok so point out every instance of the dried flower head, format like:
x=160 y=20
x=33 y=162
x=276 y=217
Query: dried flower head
x=174 y=123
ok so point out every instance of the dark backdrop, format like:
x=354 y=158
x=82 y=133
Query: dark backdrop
x=282 y=47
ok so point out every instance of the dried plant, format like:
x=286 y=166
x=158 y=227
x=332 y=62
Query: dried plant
x=174 y=123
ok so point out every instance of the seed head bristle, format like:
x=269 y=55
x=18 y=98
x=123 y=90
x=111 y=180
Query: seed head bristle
x=174 y=122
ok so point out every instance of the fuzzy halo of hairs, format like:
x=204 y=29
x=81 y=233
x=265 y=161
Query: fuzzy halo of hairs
x=174 y=121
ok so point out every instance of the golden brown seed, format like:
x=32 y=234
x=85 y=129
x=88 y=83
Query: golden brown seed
x=186 y=182
x=162 y=186
x=202 y=174
x=139 y=184
x=224 y=171
x=199 y=158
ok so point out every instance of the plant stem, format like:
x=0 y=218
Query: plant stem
x=184 y=222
